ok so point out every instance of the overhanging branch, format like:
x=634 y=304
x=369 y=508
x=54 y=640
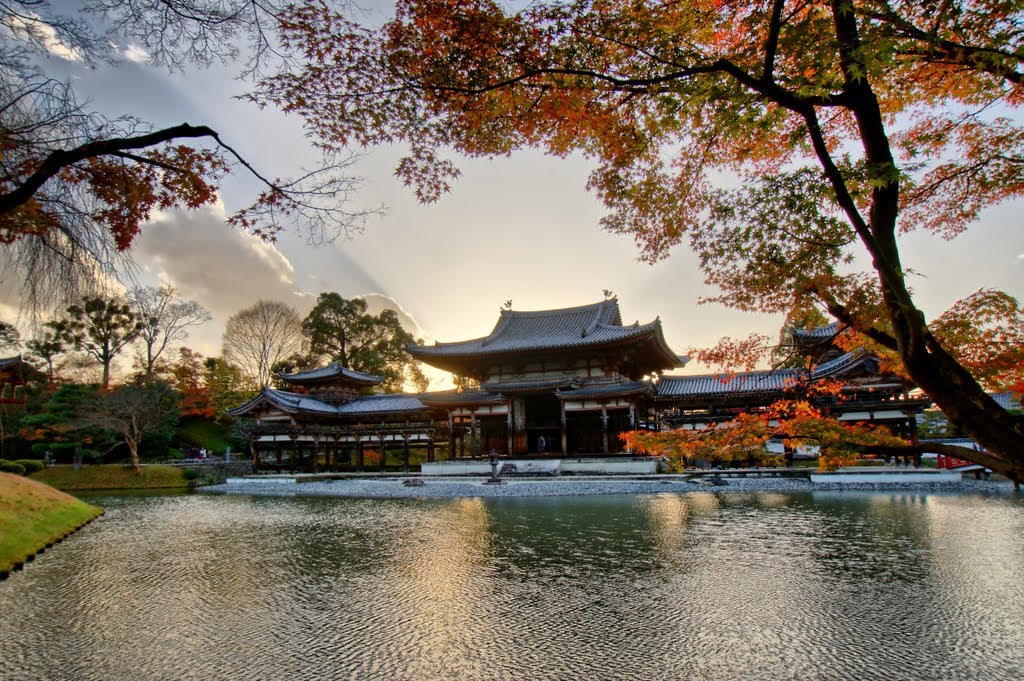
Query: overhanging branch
x=60 y=159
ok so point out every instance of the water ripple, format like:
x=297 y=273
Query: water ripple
x=670 y=586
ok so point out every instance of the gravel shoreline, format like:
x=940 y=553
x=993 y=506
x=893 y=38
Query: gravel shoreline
x=448 y=488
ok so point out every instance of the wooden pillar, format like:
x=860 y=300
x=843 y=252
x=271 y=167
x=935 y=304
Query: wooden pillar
x=451 y=434
x=474 y=434
x=383 y=452
x=316 y=454
x=509 y=428
x=604 y=429
x=430 y=446
x=632 y=421
x=521 y=444
x=405 y=452
x=462 y=443
x=565 y=436
x=359 y=453
x=254 y=445
x=291 y=455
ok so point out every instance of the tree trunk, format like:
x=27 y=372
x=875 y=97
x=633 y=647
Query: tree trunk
x=932 y=368
x=133 y=451
x=965 y=403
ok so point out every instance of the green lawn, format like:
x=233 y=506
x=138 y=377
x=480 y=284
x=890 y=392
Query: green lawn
x=197 y=432
x=33 y=515
x=112 y=476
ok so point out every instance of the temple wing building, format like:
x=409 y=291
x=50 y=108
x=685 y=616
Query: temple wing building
x=328 y=419
x=552 y=381
x=865 y=392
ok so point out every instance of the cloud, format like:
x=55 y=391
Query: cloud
x=136 y=54
x=223 y=268
x=30 y=26
x=377 y=302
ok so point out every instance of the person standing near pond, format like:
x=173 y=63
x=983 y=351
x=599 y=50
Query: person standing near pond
x=542 y=445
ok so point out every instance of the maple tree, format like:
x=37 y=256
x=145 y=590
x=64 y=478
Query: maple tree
x=76 y=187
x=187 y=376
x=848 y=124
x=132 y=413
x=793 y=422
x=208 y=386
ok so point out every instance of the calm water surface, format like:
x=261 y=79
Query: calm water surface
x=835 y=585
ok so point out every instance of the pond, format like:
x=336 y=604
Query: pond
x=830 y=585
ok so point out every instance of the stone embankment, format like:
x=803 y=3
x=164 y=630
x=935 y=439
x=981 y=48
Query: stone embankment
x=34 y=517
x=476 y=487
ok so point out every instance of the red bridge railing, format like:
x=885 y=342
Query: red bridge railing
x=949 y=462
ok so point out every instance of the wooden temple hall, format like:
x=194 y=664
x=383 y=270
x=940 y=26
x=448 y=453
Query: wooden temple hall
x=551 y=383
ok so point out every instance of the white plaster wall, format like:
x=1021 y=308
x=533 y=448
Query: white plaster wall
x=610 y=466
x=455 y=468
x=844 y=478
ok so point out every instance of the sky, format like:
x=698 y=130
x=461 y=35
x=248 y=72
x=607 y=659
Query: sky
x=521 y=228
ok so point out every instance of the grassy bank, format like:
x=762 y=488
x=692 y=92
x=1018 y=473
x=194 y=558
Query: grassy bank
x=112 y=476
x=33 y=515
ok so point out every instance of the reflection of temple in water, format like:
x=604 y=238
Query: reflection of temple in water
x=550 y=383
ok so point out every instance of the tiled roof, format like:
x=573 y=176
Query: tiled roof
x=451 y=397
x=606 y=390
x=842 y=363
x=381 y=404
x=568 y=328
x=292 y=403
x=526 y=385
x=331 y=371
x=10 y=361
x=758 y=381
x=285 y=401
x=819 y=333
x=728 y=384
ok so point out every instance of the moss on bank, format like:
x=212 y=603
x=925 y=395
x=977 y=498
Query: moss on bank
x=34 y=515
x=113 y=476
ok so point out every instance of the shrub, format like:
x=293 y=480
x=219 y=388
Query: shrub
x=31 y=465
x=11 y=467
x=190 y=473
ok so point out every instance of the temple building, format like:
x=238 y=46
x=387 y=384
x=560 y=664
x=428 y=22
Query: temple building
x=328 y=415
x=867 y=394
x=551 y=383
x=15 y=373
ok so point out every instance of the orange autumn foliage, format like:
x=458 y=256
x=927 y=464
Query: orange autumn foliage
x=844 y=123
x=743 y=439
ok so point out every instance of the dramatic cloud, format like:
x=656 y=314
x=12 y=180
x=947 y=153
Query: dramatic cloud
x=223 y=268
x=378 y=302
